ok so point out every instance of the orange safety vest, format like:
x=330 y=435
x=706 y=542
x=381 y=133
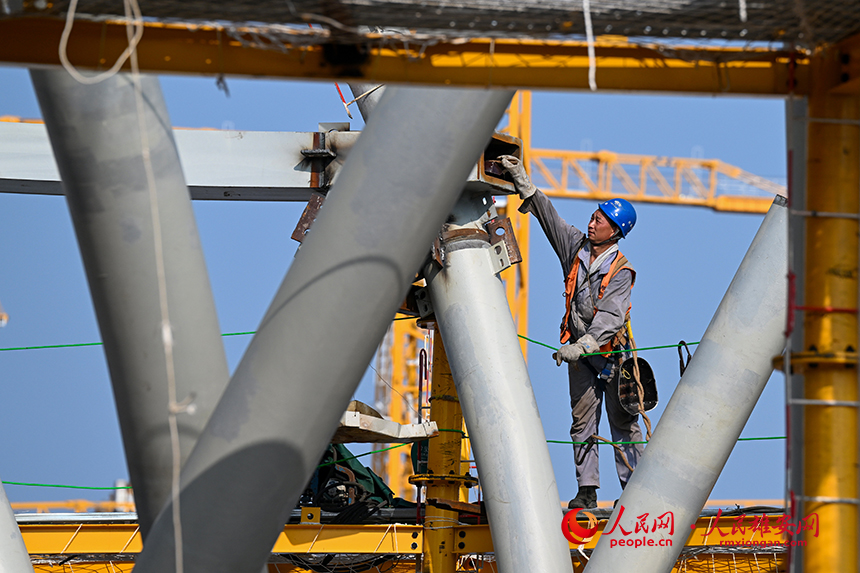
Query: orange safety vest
x=620 y=263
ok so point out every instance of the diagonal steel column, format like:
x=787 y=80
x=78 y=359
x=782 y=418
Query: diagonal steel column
x=496 y=395
x=706 y=414
x=94 y=131
x=13 y=553
x=284 y=402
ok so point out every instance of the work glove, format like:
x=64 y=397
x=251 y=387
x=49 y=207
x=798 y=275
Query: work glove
x=525 y=188
x=570 y=353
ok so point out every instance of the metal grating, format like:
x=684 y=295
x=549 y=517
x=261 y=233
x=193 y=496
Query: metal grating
x=797 y=22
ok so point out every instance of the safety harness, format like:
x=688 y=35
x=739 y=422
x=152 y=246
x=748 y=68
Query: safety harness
x=619 y=264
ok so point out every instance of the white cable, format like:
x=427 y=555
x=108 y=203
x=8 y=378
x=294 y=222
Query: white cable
x=133 y=41
x=589 y=39
x=742 y=6
x=173 y=408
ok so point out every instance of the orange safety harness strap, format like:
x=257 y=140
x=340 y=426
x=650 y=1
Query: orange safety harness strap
x=619 y=264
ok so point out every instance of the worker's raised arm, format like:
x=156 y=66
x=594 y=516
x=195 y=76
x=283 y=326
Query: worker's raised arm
x=612 y=308
x=564 y=238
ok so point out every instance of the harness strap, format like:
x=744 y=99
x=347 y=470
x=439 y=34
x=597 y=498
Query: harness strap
x=618 y=264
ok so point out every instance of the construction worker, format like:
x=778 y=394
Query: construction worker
x=598 y=280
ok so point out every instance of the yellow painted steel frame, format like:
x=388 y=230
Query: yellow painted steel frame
x=399 y=395
x=621 y=65
x=440 y=552
x=113 y=547
x=574 y=181
x=516 y=277
x=830 y=480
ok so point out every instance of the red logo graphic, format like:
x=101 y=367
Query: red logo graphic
x=576 y=533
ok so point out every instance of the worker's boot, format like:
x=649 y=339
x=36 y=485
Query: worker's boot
x=585 y=498
x=623 y=485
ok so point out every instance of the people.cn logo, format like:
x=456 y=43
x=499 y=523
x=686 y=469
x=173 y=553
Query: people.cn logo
x=576 y=533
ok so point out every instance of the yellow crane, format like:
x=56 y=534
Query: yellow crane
x=598 y=175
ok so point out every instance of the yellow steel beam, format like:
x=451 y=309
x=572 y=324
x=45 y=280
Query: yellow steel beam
x=397 y=390
x=118 y=538
x=830 y=451
x=82 y=538
x=75 y=505
x=603 y=175
x=209 y=50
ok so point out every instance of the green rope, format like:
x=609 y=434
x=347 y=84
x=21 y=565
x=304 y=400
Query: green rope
x=612 y=352
x=461 y=432
x=370 y=453
x=64 y=486
x=362 y=455
x=96 y=343
x=536 y=342
x=52 y=346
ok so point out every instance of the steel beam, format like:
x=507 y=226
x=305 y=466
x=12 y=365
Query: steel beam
x=218 y=165
x=496 y=395
x=95 y=135
x=283 y=404
x=13 y=552
x=706 y=414
x=622 y=66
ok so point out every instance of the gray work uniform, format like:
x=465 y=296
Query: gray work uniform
x=587 y=389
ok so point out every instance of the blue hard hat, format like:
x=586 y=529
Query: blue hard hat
x=620 y=212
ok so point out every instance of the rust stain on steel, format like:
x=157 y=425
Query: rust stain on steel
x=309 y=215
x=507 y=234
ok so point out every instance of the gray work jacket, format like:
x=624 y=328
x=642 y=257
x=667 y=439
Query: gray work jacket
x=566 y=240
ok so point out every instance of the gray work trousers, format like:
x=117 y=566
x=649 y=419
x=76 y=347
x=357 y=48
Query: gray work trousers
x=587 y=392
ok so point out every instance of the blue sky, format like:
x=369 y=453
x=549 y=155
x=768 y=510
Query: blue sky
x=56 y=411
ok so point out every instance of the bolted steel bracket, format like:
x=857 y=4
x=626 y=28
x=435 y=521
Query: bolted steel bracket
x=422 y=299
x=499 y=258
x=500 y=229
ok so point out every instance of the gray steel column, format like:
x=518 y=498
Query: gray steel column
x=368 y=103
x=97 y=144
x=708 y=410
x=796 y=124
x=13 y=553
x=284 y=402
x=496 y=395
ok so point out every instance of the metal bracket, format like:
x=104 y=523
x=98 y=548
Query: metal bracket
x=309 y=215
x=499 y=258
x=422 y=299
x=310 y=515
x=500 y=229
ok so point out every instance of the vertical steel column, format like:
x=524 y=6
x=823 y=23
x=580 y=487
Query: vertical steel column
x=13 y=553
x=829 y=357
x=496 y=395
x=284 y=402
x=443 y=460
x=796 y=123
x=94 y=131
x=707 y=412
